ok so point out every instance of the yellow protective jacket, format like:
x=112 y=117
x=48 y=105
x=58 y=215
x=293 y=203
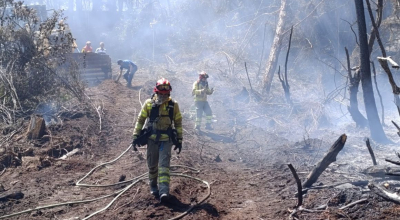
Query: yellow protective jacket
x=198 y=92
x=163 y=122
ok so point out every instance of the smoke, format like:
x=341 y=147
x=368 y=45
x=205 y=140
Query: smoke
x=220 y=36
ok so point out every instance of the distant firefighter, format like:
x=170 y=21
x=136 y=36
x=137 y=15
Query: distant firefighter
x=87 y=48
x=200 y=92
x=160 y=133
x=101 y=49
x=130 y=67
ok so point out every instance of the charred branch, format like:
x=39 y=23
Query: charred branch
x=383 y=60
x=385 y=67
x=398 y=128
x=392 y=161
x=371 y=152
x=299 y=187
x=379 y=94
x=329 y=158
x=385 y=194
x=284 y=80
x=247 y=73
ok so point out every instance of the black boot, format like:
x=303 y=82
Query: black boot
x=164 y=198
x=209 y=127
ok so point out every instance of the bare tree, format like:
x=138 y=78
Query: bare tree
x=275 y=49
x=375 y=125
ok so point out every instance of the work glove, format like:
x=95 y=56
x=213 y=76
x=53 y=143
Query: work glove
x=135 y=142
x=178 y=145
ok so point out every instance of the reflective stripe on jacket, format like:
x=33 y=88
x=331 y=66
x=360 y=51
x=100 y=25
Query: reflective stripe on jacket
x=163 y=122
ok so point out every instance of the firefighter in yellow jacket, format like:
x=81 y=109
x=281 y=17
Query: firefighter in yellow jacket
x=165 y=130
x=200 y=92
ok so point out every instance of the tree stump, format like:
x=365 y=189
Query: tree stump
x=36 y=128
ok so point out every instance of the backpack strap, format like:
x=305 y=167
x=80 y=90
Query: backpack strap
x=171 y=106
x=154 y=112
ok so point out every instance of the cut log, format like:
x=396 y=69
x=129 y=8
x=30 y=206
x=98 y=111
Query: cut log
x=36 y=128
x=329 y=158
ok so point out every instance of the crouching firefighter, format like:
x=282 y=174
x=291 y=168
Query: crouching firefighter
x=163 y=130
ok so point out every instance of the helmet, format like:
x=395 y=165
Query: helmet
x=203 y=75
x=119 y=62
x=88 y=42
x=162 y=86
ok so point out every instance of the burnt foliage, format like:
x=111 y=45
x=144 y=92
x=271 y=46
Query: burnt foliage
x=34 y=66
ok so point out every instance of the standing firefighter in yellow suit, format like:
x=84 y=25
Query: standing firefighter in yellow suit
x=163 y=130
x=200 y=92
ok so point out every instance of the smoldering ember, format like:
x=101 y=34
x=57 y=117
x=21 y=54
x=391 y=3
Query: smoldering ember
x=179 y=109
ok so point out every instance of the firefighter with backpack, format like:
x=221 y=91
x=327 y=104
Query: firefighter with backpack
x=163 y=130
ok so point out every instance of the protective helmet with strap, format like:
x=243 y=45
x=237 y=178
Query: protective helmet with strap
x=163 y=86
x=203 y=75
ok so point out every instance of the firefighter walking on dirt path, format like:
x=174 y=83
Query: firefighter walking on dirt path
x=131 y=69
x=200 y=92
x=163 y=130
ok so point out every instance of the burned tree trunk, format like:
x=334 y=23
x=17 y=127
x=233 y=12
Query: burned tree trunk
x=329 y=158
x=275 y=50
x=353 y=90
x=379 y=94
x=284 y=80
x=375 y=125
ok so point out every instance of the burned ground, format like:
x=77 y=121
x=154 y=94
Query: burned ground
x=245 y=165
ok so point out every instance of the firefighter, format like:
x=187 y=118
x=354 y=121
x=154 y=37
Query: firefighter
x=130 y=67
x=87 y=48
x=200 y=92
x=165 y=130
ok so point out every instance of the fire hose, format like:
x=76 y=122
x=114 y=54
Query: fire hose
x=119 y=192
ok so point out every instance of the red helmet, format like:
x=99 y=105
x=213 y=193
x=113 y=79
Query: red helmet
x=203 y=75
x=162 y=86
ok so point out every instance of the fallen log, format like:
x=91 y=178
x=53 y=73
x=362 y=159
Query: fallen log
x=5 y=196
x=329 y=158
x=386 y=194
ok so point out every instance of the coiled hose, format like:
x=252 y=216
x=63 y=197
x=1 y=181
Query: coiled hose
x=119 y=192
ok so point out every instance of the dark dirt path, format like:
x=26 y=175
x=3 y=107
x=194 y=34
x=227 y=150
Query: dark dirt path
x=245 y=167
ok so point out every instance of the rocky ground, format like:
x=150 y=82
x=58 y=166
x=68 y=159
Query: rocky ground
x=245 y=166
